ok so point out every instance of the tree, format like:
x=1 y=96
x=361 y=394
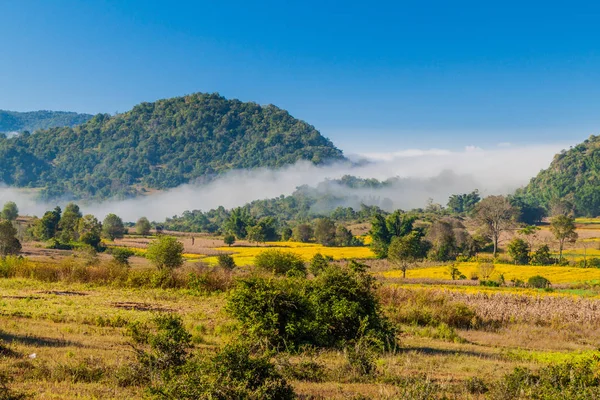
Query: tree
x=9 y=244
x=112 y=227
x=518 y=250
x=563 y=228
x=10 y=212
x=495 y=214
x=443 y=242
x=121 y=255
x=380 y=236
x=229 y=239
x=225 y=261
x=68 y=223
x=142 y=226
x=303 y=233
x=325 y=232
x=280 y=262
x=542 y=256
x=406 y=250
x=166 y=253
x=399 y=223
x=317 y=264
x=238 y=222
x=344 y=237
x=454 y=272
x=47 y=226
x=256 y=234
x=463 y=203
x=530 y=233
x=89 y=230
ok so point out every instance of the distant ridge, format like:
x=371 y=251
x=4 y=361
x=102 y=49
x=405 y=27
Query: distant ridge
x=159 y=145
x=13 y=121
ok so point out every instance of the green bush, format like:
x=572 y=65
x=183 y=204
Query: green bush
x=317 y=264
x=166 y=252
x=121 y=255
x=280 y=262
x=325 y=312
x=225 y=261
x=538 y=282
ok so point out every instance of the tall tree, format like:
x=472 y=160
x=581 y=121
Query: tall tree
x=495 y=214
x=68 y=222
x=380 y=236
x=166 y=253
x=112 y=227
x=10 y=212
x=399 y=223
x=9 y=244
x=142 y=226
x=406 y=250
x=47 y=226
x=563 y=228
x=89 y=230
x=325 y=232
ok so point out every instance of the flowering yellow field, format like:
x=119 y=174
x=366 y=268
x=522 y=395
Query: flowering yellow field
x=246 y=255
x=522 y=272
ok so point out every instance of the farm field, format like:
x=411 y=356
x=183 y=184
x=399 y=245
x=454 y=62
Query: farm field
x=65 y=335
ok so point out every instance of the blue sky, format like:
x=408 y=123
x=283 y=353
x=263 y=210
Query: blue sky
x=372 y=76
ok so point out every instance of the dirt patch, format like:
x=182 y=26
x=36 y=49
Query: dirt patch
x=129 y=305
x=22 y=297
x=64 y=293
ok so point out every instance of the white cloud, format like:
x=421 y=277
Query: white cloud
x=434 y=173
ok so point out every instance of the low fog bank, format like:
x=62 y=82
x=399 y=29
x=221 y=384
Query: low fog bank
x=422 y=175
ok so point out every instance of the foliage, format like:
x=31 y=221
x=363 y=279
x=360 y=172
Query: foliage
x=463 y=203
x=518 y=250
x=317 y=264
x=112 y=227
x=380 y=236
x=563 y=229
x=166 y=252
x=325 y=312
x=495 y=214
x=225 y=261
x=303 y=233
x=9 y=244
x=406 y=250
x=325 y=231
x=10 y=211
x=69 y=222
x=12 y=121
x=89 y=231
x=229 y=239
x=280 y=262
x=175 y=140
x=485 y=270
x=538 y=282
x=571 y=177
x=142 y=226
x=47 y=226
x=542 y=256
x=121 y=255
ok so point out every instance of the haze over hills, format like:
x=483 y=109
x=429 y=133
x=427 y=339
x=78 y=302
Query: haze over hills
x=13 y=121
x=573 y=176
x=159 y=145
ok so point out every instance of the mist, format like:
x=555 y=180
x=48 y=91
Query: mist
x=422 y=175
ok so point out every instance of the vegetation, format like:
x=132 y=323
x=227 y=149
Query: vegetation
x=159 y=145
x=166 y=253
x=12 y=121
x=280 y=262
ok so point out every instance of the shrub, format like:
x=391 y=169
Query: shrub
x=280 y=262
x=317 y=264
x=542 y=256
x=325 y=312
x=225 y=261
x=538 y=282
x=485 y=270
x=229 y=239
x=593 y=262
x=121 y=255
x=518 y=250
x=166 y=252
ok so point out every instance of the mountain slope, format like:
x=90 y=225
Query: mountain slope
x=574 y=176
x=159 y=145
x=12 y=121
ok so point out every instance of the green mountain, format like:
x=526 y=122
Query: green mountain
x=573 y=178
x=12 y=121
x=159 y=145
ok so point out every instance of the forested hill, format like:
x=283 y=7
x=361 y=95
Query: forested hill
x=159 y=145
x=573 y=178
x=12 y=121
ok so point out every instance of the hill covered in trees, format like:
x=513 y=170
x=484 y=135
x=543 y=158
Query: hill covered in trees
x=571 y=181
x=12 y=121
x=159 y=145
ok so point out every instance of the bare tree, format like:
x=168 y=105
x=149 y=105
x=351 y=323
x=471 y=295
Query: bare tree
x=495 y=214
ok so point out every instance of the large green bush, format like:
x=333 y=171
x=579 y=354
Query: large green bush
x=325 y=312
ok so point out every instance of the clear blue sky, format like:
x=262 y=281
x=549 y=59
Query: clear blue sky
x=372 y=76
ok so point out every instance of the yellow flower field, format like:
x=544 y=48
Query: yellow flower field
x=246 y=255
x=522 y=272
